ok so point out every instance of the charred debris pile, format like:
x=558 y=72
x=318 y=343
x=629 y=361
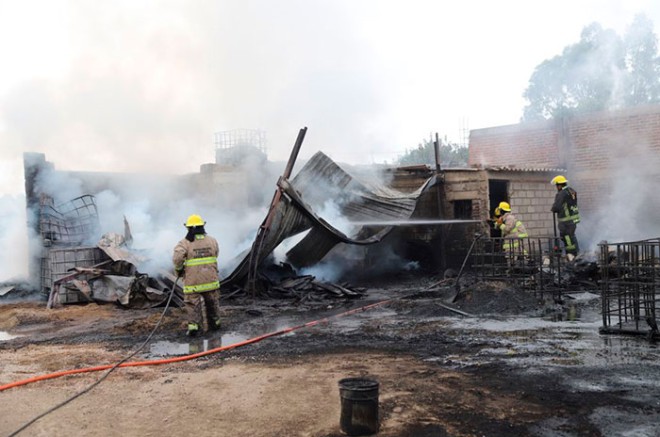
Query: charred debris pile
x=73 y=269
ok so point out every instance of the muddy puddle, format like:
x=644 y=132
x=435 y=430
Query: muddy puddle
x=569 y=337
x=161 y=349
x=262 y=326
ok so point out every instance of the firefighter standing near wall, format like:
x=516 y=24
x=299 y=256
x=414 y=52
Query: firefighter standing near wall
x=568 y=215
x=196 y=261
x=511 y=228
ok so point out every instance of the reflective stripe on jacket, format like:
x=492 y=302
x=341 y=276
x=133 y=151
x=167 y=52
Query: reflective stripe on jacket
x=198 y=260
x=511 y=227
x=566 y=206
x=512 y=230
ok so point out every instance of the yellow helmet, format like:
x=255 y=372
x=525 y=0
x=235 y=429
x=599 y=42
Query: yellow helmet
x=498 y=212
x=194 y=220
x=558 y=180
x=505 y=207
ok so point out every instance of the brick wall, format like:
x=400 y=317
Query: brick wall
x=607 y=149
x=612 y=158
x=521 y=145
x=467 y=185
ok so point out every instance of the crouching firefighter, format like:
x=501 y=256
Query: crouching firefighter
x=512 y=229
x=196 y=261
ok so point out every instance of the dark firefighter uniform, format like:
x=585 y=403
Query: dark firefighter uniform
x=196 y=260
x=568 y=215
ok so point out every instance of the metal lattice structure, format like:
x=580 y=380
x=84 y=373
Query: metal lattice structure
x=530 y=263
x=234 y=146
x=629 y=290
x=69 y=224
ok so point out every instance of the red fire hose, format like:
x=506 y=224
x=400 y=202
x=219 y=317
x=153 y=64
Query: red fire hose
x=191 y=356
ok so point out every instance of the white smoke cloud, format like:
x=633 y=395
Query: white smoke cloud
x=13 y=239
x=144 y=87
x=629 y=205
x=157 y=225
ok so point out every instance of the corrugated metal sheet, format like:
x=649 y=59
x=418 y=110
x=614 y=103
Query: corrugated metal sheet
x=319 y=182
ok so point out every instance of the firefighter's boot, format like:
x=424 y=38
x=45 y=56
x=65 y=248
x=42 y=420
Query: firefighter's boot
x=215 y=325
x=193 y=329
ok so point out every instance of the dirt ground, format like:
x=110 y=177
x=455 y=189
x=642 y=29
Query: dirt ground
x=516 y=365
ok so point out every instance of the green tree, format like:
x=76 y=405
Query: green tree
x=601 y=71
x=642 y=63
x=451 y=154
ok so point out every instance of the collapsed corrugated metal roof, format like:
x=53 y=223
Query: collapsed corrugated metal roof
x=321 y=180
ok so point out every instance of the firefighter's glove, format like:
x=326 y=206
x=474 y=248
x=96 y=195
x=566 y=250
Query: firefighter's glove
x=499 y=221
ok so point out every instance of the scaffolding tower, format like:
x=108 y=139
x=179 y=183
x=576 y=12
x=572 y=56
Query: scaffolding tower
x=233 y=147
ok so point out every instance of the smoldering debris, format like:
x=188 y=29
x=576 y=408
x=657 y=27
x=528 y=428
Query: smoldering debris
x=116 y=279
x=16 y=290
x=281 y=281
x=118 y=282
x=307 y=288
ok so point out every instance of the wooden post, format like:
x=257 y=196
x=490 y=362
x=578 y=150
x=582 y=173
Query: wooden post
x=255 y=252
x=440 y=198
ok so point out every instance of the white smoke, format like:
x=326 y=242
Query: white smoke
x=13 y=239
x=628 y=204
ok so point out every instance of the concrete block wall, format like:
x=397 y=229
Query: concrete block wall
x=531 y=202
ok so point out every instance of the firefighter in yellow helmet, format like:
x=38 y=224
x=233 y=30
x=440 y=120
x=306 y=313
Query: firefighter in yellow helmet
x=511 y=228
x=568 y=215
x=196 y=260
x=495 y=232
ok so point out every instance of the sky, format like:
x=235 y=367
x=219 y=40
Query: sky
x=142 y=85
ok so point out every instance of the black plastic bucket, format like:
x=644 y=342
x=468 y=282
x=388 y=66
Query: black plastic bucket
x=359 y=406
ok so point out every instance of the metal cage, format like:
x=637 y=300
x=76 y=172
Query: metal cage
x=631 y=276
x=531 y=263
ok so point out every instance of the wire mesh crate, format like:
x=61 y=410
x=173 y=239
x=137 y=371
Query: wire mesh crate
x=60 y=262
x=631 y=276
x=529 y=263
x=71 y=223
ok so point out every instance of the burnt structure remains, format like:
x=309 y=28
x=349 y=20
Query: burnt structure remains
x=73 y=262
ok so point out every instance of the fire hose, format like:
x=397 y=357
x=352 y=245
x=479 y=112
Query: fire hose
x=125 y=363
x=187 y=357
